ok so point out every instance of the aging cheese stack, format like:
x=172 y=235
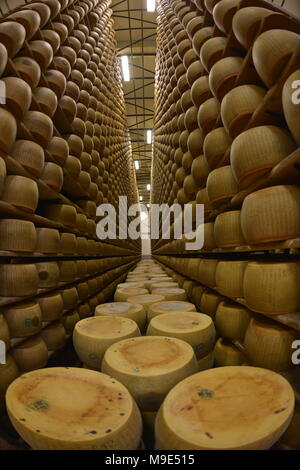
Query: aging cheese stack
x=65 y=150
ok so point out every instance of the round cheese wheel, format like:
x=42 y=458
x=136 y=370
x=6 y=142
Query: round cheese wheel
x=146 y=300
x=48 y=240
x=200 y=91
x=30 y=354
x=208 y=114
x=223 y=13
x=206 y=362
x=257 y=150
x=227 y=354
x=30 y=155
x=223 y=74
x=23 y=319
x=48 y=273
x=18 y=280
x=212 y=51
x=209 y=303
x=228 y=230
x=70 y=298
x=17 y=235
x=221 y=185
x=238 y=105
x=204 y=411
x=149 y=367
x=69 y=321
x=271 y=287
x=215 y=145
x=271 y=52
x=271 y=214
x=69 y=422
x=53 y=176
x=196 y=329
x=54 y=336
x=207 y=272
x=8 y=129
x=61 y=213
x=230 y=278
x=170 y=306
x=93 y=336
x=67 y=271
x=8 y=373
x=269 y=345
x=232 y=320
x=170 y=293
x=51 y=306
x=290 y=440
x=123 y=293
x=162 y=284
x=133 y=311
x=290 y=98
x=4 y=331
x=27 y=196
x=246 y=23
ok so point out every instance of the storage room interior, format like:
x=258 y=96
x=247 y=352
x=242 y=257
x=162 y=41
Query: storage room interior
x=111 y=337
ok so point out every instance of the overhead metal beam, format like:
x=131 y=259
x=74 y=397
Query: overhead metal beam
x=134 y=19
x=136 y=29
x=136 y=42
x=141 y=122
x=142 y=68
x=139 y=88
x=138 y=106
x=141 y=98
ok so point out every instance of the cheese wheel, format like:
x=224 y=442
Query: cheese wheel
x=207 y=272
x=23 y=319
x=2 y=175
x=227 y=354
x=238 y=105
x=212 y=51
x=30 y=354
x=67 y=271
x=129 y=310
x=27 y=196
x=271 y=52
x=132 y=284
x=196 y=329
x=51 y=306
x=232 y=320
x=269 y=345
x=83 y=290
x=170 y=293
x=228 y=231
x=84 y=310
x=223 y=74
x=200 y=91
x=209 y=303
x=93 y=336
x=30 y=155
x=290 y=98
x=206 y=362
x=246 y=23
x=171 y=306
x=4 y=331
x=230 y=278
x=271 y=214
x=257 y=150
x=61 y=213
x=68 y=243
x=53 y=176
x=70 y=298
x=162 y=284
x=8 y=373
x=254 y=423
x=123 y=293
x=69 y=321
x=100 y=421
x=81 y=268
x=209 y=236
x=200 y=37
x=149 y=367
x=17 y=235
x=48 y=240
x=208 y=114
x=271 y=287
x=199 y=171
x=215 y=145
x=48 y=273
x=146 y=300
x=82 y=245
x=221 y=185
x=8 y=128
x=223 y=13
x=18 y=280
x=54 y=336
x=196 y=295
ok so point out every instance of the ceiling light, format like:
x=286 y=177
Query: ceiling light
x=148 y=205
x=137 y=164
x=148 y=187
x=149 y=136
x=125 y=68
x=150 y=5
x=141 y=198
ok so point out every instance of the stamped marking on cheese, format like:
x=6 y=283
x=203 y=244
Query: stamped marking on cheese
x=39 y=405
x=206 y=393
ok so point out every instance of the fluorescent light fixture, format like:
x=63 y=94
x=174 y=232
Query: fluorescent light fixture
x=125 y=68
x=150 y=5
x=137 y=164
x=141 y=198
x=149 y=136
x=148 y=187
x=148 y=205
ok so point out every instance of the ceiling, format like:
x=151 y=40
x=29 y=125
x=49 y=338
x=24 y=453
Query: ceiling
x=136 y=37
